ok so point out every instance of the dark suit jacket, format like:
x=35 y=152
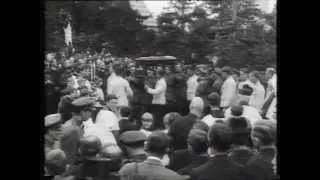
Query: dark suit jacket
x=149 y=170
x=70 y=142
x=170 y=93
x=127 y=125
x=218 y=168
x=179 y=131
x=197 y=161
x=179 y=159
x=241 y=154
x=140 y=96
x=260 y=166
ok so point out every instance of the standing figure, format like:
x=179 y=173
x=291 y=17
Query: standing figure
x=118 y=86
x=228 y=88
x=257 y=97
x=159 y=99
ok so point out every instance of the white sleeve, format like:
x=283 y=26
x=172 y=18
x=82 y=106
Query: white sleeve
x=128 y=89
x=227 y=94
x=160 y=87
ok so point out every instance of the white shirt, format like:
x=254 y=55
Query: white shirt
x=120 y=88
x=228 y=91
x=159 y=93
x=250 y=113
x=87 y=124
x=192 y=85
x=257 y=97
x=108 y=119
x=105 y=136
x=209 y=120
x=100 y=94
x=272 y=87
x=147 y=133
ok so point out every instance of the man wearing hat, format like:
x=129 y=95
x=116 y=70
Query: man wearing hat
x=215 y=110
x=250 y=113
x=52 y=132
x=228 y=88
x=152 y=168
x=132 y=143
x=140 y=99
x=73 y=129
x=262 y=165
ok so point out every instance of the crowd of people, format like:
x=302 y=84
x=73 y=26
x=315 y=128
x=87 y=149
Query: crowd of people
x=114 y=119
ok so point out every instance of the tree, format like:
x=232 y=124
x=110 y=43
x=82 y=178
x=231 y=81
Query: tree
x=95 y=23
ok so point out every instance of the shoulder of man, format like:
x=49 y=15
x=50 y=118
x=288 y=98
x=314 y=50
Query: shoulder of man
x=127 y=169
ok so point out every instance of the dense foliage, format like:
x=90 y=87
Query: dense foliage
x=235 y=31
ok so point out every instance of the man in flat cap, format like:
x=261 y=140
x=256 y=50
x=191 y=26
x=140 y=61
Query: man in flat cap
x=263 y=165
x=132 y=144
x=52 y=131
x=73 y=129
x=156 y=146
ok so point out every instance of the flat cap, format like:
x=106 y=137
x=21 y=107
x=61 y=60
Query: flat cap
x=131 y=137
x=52 y=119
x=83 y=101
x=214 y=98
x=265 y=129
x=227 y=69
x=197 y=136
x=246 y=90
x=147 y=115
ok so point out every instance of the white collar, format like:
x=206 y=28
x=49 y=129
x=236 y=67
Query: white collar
x=154 y=158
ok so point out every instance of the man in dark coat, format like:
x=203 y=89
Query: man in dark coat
x=263 y=165
x=219 y=167
x=132 y=144
x=180 y=128
x=176 y=94
x=141 y=99
x=198 y=144
x=72 y=130
x=152 y=168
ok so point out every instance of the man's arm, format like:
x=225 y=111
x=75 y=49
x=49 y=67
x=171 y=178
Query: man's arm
x=128 y=89
x=227 y=94
x=161 y=87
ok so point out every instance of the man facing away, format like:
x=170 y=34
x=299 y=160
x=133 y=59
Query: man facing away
x=159 y=99
x=228 y=88
x=180 y=128
x=257 y=97
x=219 y=167
x=152 y=168
x=119 y=86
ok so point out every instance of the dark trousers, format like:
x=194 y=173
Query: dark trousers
x=158 y=111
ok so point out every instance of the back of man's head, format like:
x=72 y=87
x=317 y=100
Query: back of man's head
x=198 y=141
x=111 y=151
x=125 y=111
x=265 y=131
x=197 y=106
x=214 y=99
x=90 y=146
x=169 y=118
x=220 y=137
x=56 y=162
x=157 y=143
